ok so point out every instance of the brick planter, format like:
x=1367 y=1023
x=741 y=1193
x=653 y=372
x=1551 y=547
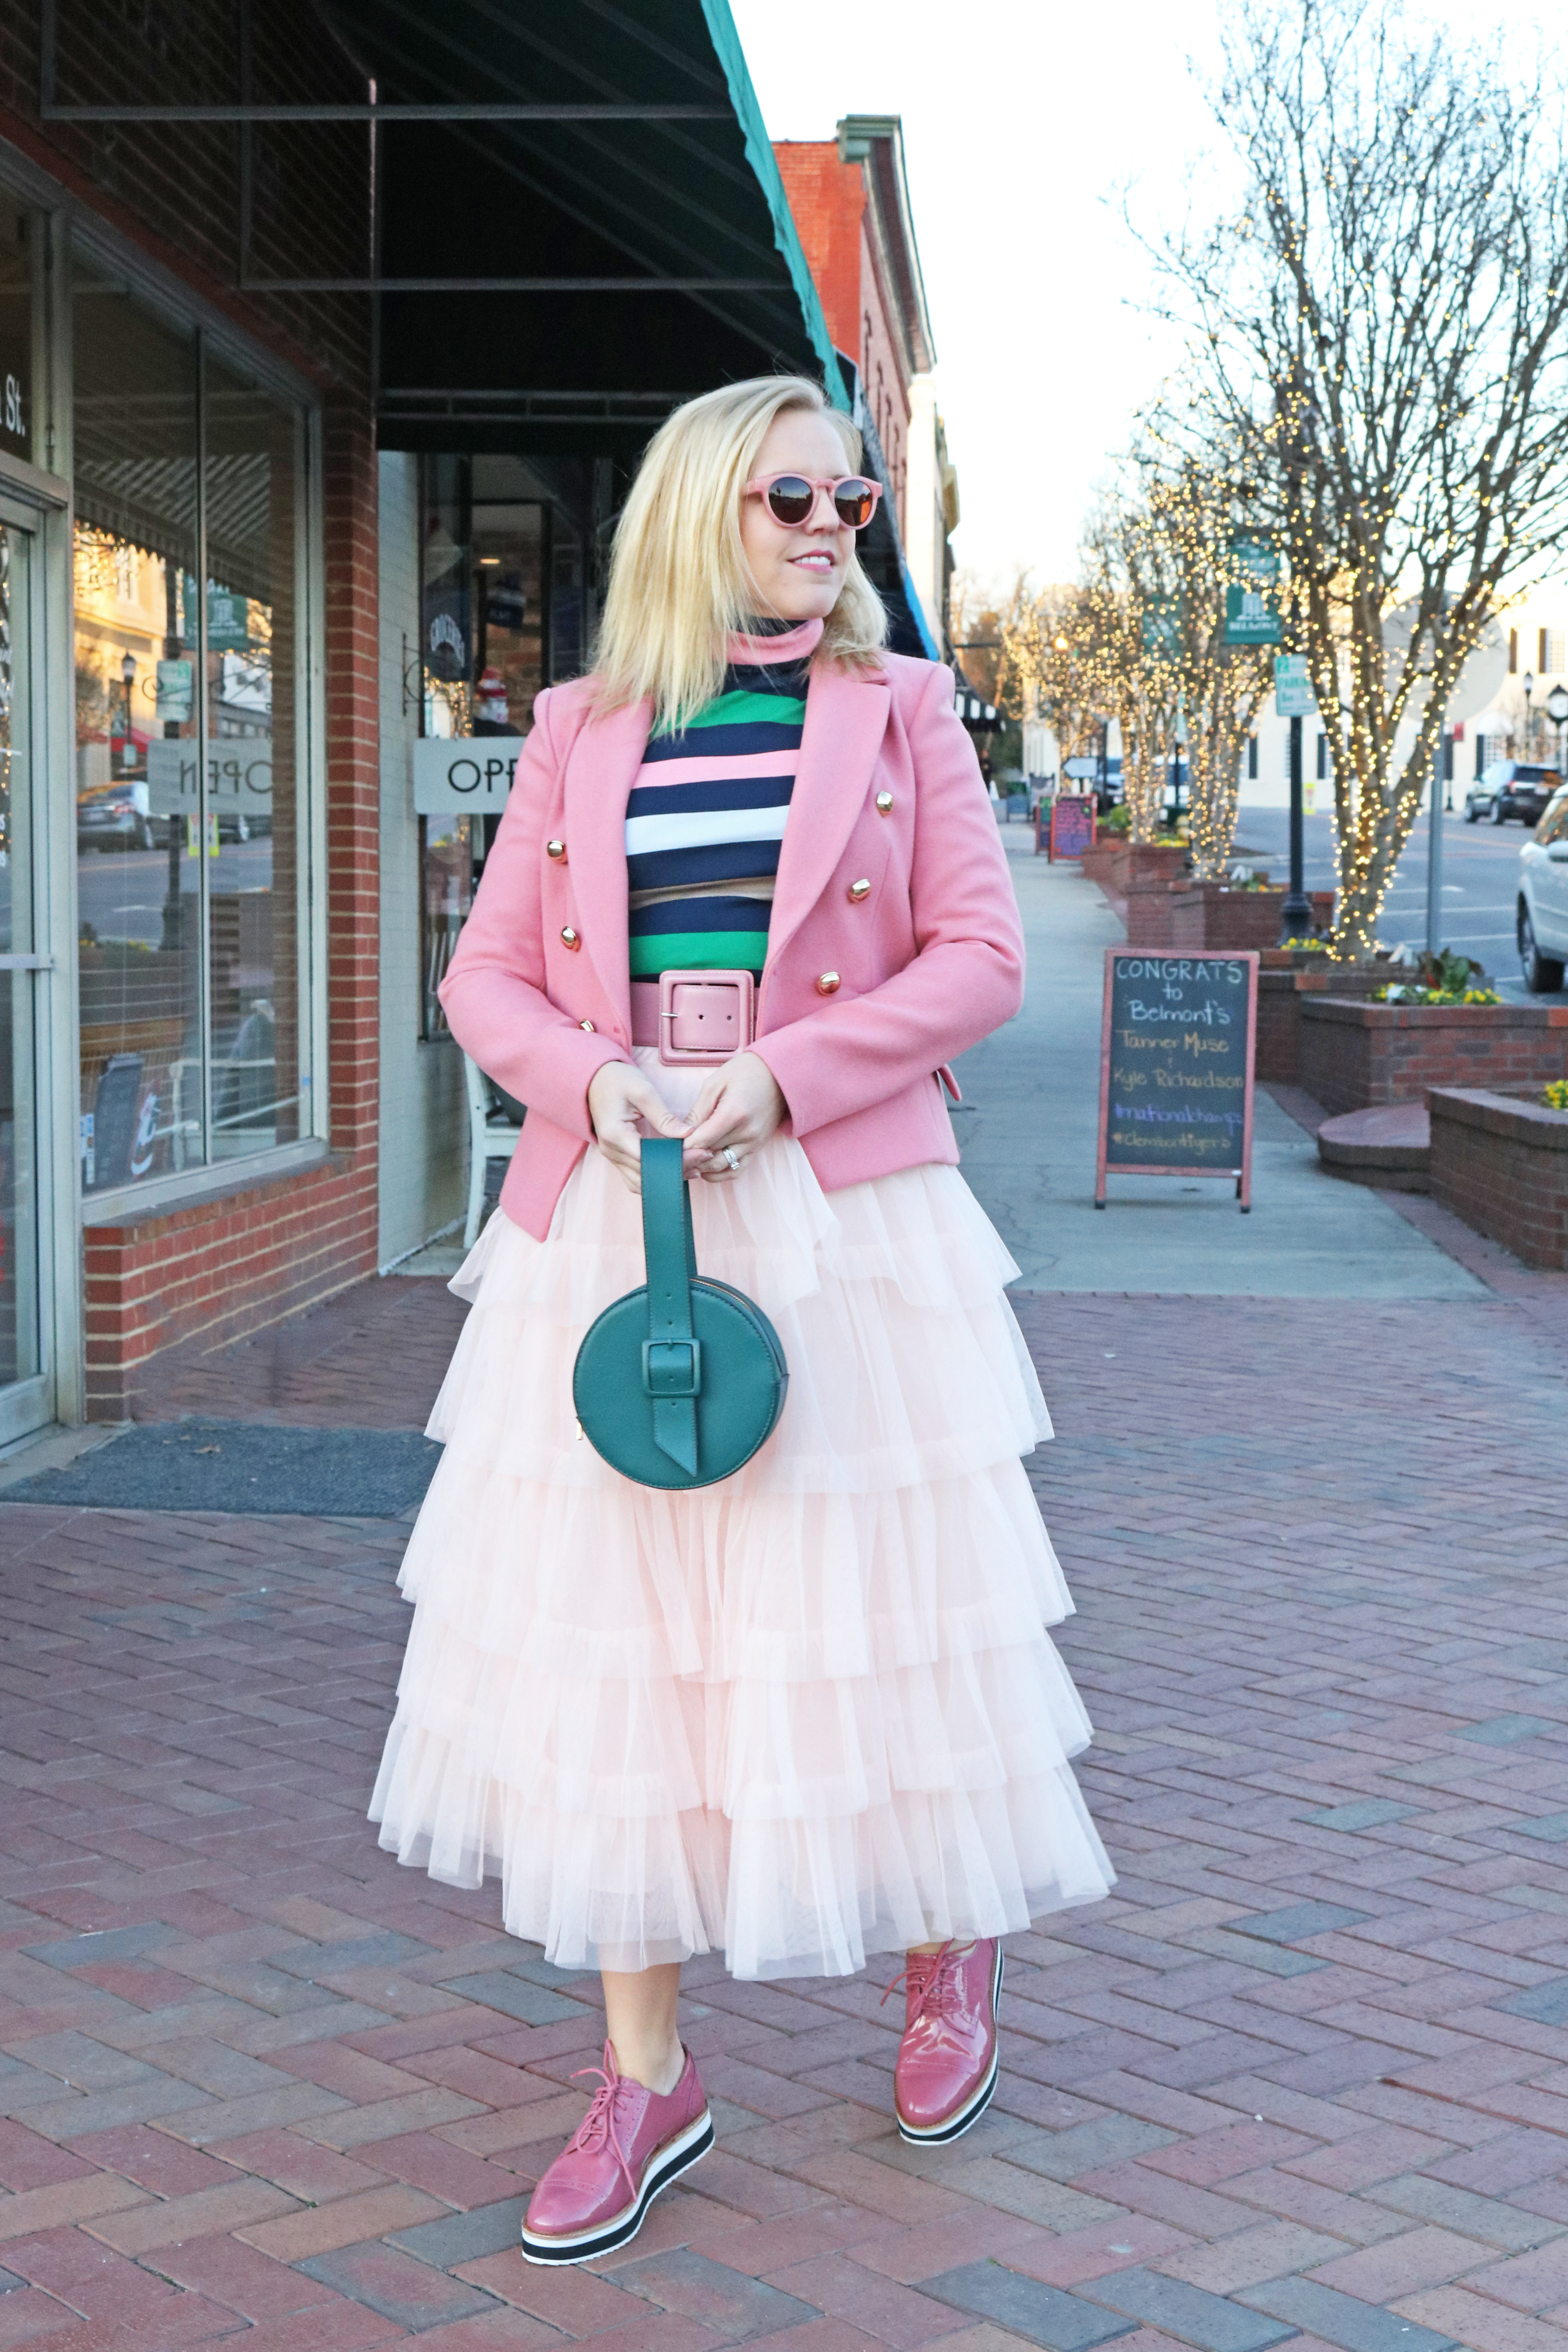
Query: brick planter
x=1354 y=1055
x=1121 y=868
x=1101 y=862
x=1284 y=982
x=1207 y=915
x=1502 y=1165
x=1389 y=1147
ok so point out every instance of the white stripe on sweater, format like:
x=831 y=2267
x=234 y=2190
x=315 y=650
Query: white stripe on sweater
x=701 y=828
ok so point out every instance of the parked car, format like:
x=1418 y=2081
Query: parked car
x=113 y=816
x=1541 y=920
x=1509 y=788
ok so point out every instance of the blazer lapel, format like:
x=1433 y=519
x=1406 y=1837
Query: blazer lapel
x=601 y=769
x=846 y=720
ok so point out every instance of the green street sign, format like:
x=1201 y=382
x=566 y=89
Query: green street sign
x=1251 y=619
x=228 y=621
x=228 y=618
x=1293 y=696
x=1251 y=615
x=1258 y=557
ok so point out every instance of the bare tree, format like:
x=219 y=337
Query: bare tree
x=1198 y=516
x=1048 y=668
x=1159 y=555
x=1128 y=581
x=1381 y=334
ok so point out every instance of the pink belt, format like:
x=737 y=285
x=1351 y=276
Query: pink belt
x=694 y=1016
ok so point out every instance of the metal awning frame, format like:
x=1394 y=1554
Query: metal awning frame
x=248 y=114
x=367 y=111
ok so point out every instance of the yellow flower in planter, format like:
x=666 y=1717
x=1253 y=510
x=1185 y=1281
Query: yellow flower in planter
x=1409 y=992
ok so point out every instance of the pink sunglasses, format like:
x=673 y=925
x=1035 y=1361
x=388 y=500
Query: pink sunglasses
x=792 y=498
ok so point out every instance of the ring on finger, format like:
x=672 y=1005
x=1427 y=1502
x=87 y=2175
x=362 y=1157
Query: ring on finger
x=732 y=1156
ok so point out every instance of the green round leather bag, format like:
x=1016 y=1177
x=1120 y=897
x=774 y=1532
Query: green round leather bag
x=679 y=1382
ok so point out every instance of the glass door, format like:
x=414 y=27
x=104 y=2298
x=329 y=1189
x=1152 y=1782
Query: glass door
x=25 y=1402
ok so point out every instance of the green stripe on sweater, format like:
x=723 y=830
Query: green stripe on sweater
x=743 y=709
x=697 y=952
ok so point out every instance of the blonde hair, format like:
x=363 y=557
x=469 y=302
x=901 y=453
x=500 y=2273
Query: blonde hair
x=679 y=580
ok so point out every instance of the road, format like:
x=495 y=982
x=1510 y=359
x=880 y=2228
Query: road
x=1480 y=880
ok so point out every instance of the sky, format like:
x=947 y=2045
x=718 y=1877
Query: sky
x=1031 y=128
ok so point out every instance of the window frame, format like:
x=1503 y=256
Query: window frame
x=433 y=1029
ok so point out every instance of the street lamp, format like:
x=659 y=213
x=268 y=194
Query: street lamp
x=128 y=676
x=1557 y=711
x=1529 y=691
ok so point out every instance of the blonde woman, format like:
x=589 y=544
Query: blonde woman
x=811 y=1712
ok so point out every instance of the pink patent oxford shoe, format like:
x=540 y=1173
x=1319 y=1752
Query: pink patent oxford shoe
x=632 y=2143
x=946 y=2068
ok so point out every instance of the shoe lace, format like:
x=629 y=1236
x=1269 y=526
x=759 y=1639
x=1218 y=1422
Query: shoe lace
x=598 y=2127
x=934 y=1977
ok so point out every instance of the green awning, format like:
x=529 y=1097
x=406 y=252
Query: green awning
x=657 y=253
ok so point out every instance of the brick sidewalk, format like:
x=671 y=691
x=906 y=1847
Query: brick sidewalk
x=371 y=1358
x=1304 y=2077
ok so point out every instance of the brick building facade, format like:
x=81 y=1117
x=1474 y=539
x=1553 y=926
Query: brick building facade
x=850 y=199
x=230 y=338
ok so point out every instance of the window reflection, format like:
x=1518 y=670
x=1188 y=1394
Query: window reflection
x=137 y=865
x=19 y=1334
x=185 y=694
x=253 y=961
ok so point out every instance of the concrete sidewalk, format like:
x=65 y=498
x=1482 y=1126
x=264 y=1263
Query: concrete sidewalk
x=1028 y=1127
x=1302 y=2079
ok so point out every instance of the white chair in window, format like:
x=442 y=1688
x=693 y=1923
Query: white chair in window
x=492 y=1135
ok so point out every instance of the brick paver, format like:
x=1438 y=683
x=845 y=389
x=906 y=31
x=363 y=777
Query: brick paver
x=1303 y=2078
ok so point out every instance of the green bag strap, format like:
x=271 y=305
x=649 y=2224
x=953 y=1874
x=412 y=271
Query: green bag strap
x=671 y=1357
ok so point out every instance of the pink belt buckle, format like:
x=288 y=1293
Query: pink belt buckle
x=705 y=1016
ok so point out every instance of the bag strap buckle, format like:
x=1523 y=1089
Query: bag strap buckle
x=672 y=1367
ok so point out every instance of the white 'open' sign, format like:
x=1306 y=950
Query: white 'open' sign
x=464 y=775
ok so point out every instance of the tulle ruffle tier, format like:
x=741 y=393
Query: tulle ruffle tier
x=802 y=1716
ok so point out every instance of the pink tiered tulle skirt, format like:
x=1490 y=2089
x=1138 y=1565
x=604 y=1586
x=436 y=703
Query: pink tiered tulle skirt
x=802 y=1716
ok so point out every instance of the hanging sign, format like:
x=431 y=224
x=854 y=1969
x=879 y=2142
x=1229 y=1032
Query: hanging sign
x=1293 y=696
x=1251 y=615
x=1175 y=1067
x=239 y=777
x=464 y=775
x=1072 y=826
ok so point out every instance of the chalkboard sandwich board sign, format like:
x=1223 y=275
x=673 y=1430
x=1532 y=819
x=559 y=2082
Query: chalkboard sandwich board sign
x=1175 y=1067
x=1072 y=826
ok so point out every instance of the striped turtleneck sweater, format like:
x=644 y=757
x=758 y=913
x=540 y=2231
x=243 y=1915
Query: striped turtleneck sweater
x=706 y=816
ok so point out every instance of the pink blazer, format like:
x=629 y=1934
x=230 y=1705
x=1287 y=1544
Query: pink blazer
x=929 y=961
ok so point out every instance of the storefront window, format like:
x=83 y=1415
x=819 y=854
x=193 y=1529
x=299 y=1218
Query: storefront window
x=138 y=877
x=252 y=469
x=187 y=799
x=19 y=1335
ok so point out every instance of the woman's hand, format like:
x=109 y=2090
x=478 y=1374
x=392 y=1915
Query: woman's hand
x=739 y=1108
x=618 y=1097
